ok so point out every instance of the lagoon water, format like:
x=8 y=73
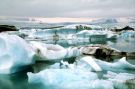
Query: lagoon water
x=20 y=80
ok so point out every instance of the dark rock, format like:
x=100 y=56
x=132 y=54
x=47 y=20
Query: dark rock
x=123 y=29
x=4 y=28
x=104 y=51
x=80 y=27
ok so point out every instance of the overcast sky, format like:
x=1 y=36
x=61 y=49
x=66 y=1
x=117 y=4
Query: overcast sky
x=68 y=8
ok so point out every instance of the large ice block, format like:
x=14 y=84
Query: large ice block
x=53 y=52
x=68 y=79
x=121 y=65
x=91 y=61
x=119 y=79
x=14 y=53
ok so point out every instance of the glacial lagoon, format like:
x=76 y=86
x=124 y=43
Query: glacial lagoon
x=20 y=80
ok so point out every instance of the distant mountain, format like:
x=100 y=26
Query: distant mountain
x=132 y=20
x=14 y=19
x=104 y=21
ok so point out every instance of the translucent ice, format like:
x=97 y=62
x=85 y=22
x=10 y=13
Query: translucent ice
x=121 y=65
x=91 y=61
x=69 y=79
x=119 y=79
x=15 y=53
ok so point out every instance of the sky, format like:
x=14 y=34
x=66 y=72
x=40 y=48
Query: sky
x=68 y=8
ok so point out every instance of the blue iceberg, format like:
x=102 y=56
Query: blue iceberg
x=15 y=54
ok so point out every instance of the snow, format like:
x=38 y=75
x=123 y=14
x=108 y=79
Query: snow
x=15 y=53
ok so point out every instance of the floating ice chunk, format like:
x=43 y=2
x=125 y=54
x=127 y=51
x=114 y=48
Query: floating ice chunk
x=48 y=51
x=109 y=34
x=72 y=52
x=119 y=79
x=127 y=34
x=15 y=53
x=69 y=79
x=53 y=52
x=101 y=84
x=121 y=65
x=92 y=63
x=62 y=78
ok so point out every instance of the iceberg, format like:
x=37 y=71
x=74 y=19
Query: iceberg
x=68 y=79
x=42 y=34
x=99 y=65
x=121 y=65
x=119 y=79
x=53 y=52
x=15 y=53
x=92 y=63
x=48 y=51
x=127 y=34
x=106 y=33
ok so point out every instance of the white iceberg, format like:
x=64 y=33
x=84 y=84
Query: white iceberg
x=121 y=65
x=91 y=61
x=69 y=79
x=53 y=52
x=106 y=33
x=99 y=65
x=41 y=34
x=15 y=53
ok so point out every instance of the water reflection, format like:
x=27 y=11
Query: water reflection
x=14 y=81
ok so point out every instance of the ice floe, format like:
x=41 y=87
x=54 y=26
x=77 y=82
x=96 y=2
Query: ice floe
x=69 y=79
x=120 y=65
x=98 y=65
x=15 y=54
x=53 y=52
x=92 y=63
x=107 y=34
x=119 y=79
x=127 y=34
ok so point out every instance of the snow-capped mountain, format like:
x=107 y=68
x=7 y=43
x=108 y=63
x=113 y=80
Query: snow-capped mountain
x=104 y=21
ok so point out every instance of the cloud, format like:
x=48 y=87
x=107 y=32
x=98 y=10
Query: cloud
x=67 y=8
